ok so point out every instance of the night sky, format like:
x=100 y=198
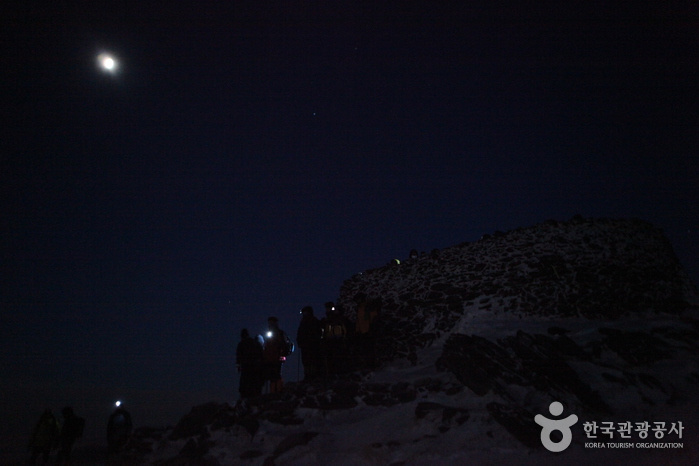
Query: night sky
x=242 y=161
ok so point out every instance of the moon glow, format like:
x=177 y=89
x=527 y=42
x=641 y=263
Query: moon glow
x=107 y=62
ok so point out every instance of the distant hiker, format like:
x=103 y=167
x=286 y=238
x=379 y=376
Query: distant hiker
x=414 y=254
x=334 y=340
x=73 y=427
x=277 y=348
x=249 y=362
x=308 y=338
x=367 y=329
x=118 y=429
x=45 y=437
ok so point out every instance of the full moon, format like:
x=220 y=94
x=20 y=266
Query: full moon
x=107 y=62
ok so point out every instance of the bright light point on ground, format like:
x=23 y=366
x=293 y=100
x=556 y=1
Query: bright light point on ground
x=107 y=62
x=118 y=403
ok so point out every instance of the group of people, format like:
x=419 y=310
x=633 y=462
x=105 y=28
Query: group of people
x=334 y=344
x=49 y=434
x=329 y=346
x=259 y=359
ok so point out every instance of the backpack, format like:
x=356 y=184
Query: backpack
x=335 y=330
x=288 y=347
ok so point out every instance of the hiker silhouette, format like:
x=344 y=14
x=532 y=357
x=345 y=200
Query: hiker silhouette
x=73 y=427
x=308 y=338
x=45 y=437
x=249 y=362
x=118 y=429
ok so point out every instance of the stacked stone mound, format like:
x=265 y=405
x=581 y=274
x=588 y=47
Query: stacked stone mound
x=594 y=268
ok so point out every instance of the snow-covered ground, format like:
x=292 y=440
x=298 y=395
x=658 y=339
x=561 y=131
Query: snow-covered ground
x=418 y=431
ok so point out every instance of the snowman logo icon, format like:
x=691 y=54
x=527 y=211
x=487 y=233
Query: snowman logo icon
x=561 y=425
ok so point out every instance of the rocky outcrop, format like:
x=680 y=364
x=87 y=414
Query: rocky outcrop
x=197 y=428
x=541 y=366
x=591 y=313
x=593 y=268
x=535 y=361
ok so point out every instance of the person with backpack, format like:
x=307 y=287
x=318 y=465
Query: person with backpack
x=45 y=437
x=309 y=337
x=277 y=347
x=118 y=429
x=249 y=354
x=73 y=427
x=334 y=340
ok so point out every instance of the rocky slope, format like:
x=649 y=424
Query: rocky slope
x=475 y=340
x=593 y=268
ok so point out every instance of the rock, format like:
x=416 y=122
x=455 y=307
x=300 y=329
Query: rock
x=251 y=454
x=250 y=424
x=518 y=422
x=635 y=347
x=475 y=361
x=294 y=440
x=197 y=420
x=594 y=268
x=337 y=401
x=445 y=415
x=523 y=360
x=194 y=451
